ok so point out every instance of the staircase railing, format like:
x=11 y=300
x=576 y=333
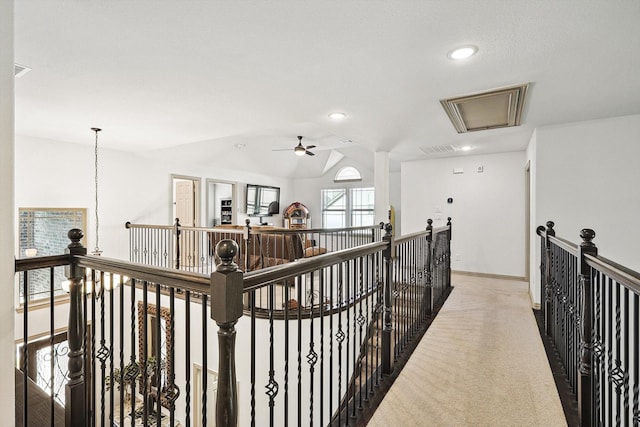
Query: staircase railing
x=591 y=310
x=140 y=337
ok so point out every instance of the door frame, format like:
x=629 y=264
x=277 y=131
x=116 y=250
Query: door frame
x=197 y=183
x=234 y=197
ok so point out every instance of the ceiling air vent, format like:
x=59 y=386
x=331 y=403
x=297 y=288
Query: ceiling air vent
x=20 y=70
x=438 y=149
x=493 y=109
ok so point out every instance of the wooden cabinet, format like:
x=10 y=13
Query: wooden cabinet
x=226 y=211
x=296 y=215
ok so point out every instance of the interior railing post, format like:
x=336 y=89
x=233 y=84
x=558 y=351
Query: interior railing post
x=387 y=343
x=429 y=272
x=548 y=321
x=177 y=233
x=75 y=410
x=449 y=252
x=226 y=309
x=246 y=238
x=585 y=379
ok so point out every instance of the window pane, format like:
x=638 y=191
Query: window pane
x=334 y=199
x=333 y=219
x=359 y=218
x=362 y=198
x=348 y=173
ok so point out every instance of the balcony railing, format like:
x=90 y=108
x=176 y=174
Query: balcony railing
x=591 y=307
x=141 y=338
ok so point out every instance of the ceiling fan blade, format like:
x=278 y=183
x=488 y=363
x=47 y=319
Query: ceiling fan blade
x=309 y=153
x=309 y=147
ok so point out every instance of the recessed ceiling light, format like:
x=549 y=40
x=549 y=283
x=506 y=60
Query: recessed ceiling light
x=466 y=148
x=337 y=116
x=462 y=52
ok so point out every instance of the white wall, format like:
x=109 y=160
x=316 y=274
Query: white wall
x=488 y=209
x=587 y=177
x=7 y=242
x=132 y=187
x=534 y=240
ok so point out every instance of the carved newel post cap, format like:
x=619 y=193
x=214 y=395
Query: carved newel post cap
x=75 y=235
x=550 y=224
x=381 y=225
x=227 y=250
x=429 y=222
x=587 y=236
x=247 y=222
x=388 y=228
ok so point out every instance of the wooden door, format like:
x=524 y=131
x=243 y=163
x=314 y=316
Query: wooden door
x=186 y=212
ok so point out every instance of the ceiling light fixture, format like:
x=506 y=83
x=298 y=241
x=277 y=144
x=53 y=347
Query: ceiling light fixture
x=466 y=148
x=337 y=116
x=462 y=52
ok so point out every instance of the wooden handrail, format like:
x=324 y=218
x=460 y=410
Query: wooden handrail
x=259 y=278
x=621 y=274
x=25 y=264
x=179 y=279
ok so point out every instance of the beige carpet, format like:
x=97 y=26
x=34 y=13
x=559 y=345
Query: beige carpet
x=481 y=363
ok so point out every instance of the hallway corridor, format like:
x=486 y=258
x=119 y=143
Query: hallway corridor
x=481 y=363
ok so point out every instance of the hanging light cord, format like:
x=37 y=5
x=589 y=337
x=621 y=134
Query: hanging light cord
x=97 y=250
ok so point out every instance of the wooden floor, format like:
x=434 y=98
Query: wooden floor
x=39 y=406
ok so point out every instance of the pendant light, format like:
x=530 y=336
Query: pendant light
x=97 y=250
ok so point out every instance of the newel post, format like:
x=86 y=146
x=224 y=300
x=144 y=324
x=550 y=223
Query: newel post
x=548 y=280
x=585 y=281
x=176 y=226
x=75 y=410
x=247 y=237
x=429 y=269
x=387 y=345
x=226 y=309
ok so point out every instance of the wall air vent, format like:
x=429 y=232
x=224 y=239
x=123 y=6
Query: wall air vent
x=492 y=109
x=438 y=149
x=20 y=70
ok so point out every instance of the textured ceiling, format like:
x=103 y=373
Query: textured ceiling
x=158 y=74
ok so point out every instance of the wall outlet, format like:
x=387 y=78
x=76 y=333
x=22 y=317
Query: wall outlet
x=480 y=169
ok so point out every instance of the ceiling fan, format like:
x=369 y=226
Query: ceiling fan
x=300 y=150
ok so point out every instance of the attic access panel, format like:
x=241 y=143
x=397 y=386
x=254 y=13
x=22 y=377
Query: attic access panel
x=492 y=109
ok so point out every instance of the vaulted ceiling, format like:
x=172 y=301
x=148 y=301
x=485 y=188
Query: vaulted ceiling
x=237 y=79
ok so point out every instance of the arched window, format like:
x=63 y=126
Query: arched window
x=347 y=173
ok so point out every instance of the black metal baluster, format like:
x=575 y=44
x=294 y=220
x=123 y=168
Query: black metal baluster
x=286 y=353
x=361 y=319
x=625 y=357
x=331 y=311
x=272 y=385
x=102 y=353
x=299 y=289
x=312 y=356
x=609 y=351
x=252 y=302
x=348 y=359
x=173 y=390
x=159 y=361
x=636 y=359
x=51 y=343
x=25 y=349
x=340 y=338
x=187 y=334
x=321 y=277
x=111 y=348
x=121 y=337
x=92 y=358
x=133 y=369
x=145 y=353
x=205 y=369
